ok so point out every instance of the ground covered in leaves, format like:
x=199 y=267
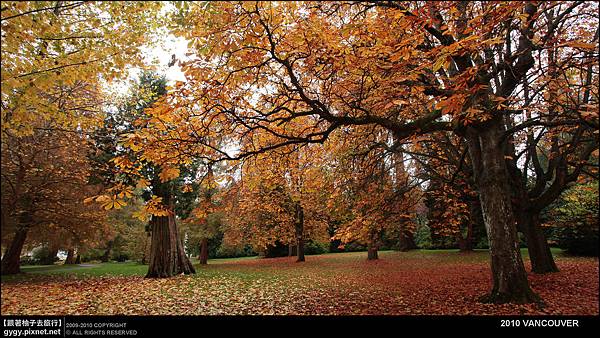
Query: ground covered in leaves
x=413 y=283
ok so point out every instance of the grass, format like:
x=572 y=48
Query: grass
x=136 y=269
x=415 y=282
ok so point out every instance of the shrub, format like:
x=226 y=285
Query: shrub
x=315 y=248
x=42 y=256
x=574 y=218
x=92 y=255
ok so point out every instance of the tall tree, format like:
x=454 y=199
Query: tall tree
x=46 y=44
x=44 y=184
x=408 y=68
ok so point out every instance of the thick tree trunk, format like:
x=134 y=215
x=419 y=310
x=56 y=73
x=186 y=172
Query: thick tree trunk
x=372 y=252
x=510 y=282
x=203 y=257
x=11 y=262
x=539 y=250
x=167 y=256
x=300 y=233
x=407 y=241
x=70 y=256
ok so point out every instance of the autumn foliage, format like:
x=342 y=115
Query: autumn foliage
x=345 y=124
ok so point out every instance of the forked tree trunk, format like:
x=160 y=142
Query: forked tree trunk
x=11 y=262
x=167 y=255
x=537 y=245
x=300 y=233
x=70 y=256
x=203 y=257
x=528 y=220
x=510 y=282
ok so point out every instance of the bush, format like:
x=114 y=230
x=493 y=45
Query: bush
x=27 y=260
x=120 y=257
x=574 y=218
x=578 y=239
x=42 y=256
x=92 y=255
x=315 y=248
x=353 y=246
x=423 y=237
x=226 y=251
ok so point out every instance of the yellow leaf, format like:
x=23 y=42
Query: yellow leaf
x=168 y=174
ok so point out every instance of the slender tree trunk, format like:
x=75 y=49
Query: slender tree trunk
x=537 y=245
x=203 y=258
x=78 y=259
x=300 y=233
x=11 y=262
x=167 y=256
x=70 y=256
x=146 y=249
x=510 y=282
x=106 y=256
x=292 y=250
x=465 y=244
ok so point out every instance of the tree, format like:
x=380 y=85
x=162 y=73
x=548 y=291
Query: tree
x=454 y=208
x=206 y=218
x=282 y=198
x=407 y=68
x=372 y=195
x=44 y=184
x=167 y=253
x=50 y=44
x=574 y=219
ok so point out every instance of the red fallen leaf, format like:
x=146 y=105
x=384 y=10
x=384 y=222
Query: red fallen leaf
x=340 y=284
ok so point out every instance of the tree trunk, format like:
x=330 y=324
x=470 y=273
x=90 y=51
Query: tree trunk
x=292 y=250
x=106 y=257
x=300 y=232
x=146 y=249
x=407 y=240
x=203 y=257
x=510 y=282
x=537 y=246
x=167 y=256
x=372 y=252
x=78 y=259
x=70 y=256
x=11 y=262
x=465 y=244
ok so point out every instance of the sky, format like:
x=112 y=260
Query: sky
x=160 y=55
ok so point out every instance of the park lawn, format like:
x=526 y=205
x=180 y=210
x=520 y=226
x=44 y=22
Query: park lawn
x=420 y=282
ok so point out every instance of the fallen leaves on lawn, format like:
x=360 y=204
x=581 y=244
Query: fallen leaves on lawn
x=397 y=284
